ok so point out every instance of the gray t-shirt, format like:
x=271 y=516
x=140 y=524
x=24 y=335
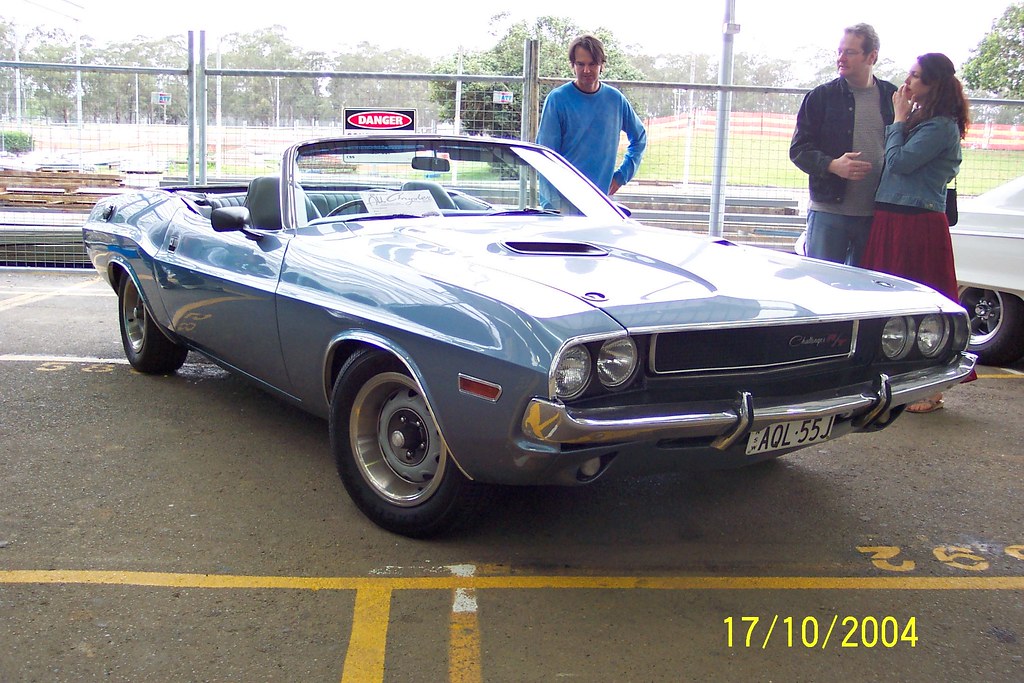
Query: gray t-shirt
x=869 y=140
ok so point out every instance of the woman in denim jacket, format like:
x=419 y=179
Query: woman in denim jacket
x=910 y=233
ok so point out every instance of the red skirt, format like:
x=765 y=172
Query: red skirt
x=913 y=246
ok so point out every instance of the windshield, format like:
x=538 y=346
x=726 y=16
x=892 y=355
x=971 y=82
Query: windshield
x=379 y=178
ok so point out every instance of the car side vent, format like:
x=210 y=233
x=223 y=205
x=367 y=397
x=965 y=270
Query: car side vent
x=556 y=248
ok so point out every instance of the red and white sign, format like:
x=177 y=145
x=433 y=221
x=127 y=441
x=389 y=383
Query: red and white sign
x=380 y=119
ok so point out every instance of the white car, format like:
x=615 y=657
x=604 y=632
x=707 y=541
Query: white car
x=988 y=245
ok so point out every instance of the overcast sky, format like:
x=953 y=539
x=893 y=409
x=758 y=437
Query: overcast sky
x=781 y=28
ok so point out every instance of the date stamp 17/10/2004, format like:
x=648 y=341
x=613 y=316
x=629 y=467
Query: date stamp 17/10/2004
x=751 y=632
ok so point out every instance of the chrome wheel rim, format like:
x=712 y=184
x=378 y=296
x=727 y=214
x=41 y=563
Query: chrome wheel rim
x=395 y=442
x=133 y=313
x=985 y=308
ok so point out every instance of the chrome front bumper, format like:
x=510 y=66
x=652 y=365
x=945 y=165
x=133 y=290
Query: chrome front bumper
x=552 y=422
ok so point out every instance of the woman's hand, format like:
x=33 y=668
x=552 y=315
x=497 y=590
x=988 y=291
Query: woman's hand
x=901 y=104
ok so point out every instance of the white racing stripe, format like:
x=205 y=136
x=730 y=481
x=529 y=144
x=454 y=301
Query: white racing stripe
x=36 y=296
x=21 y=358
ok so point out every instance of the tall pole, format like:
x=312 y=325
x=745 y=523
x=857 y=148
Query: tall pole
x=202 y=106
x=78 y=89
x=729 y=30
x=531 y=89
x=191 y=108
x=17 y=79
x=528 y=187
x=220 y=133
x=458 y=96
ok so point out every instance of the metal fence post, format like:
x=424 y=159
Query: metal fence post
x=190 y=109
x=531 y=90
x=202 y=114
x=729 y=29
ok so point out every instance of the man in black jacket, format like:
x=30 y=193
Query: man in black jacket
x=839 y=143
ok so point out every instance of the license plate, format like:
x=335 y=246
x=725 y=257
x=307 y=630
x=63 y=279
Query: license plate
x=790 y=435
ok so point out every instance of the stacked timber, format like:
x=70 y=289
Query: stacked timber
x=56 y=190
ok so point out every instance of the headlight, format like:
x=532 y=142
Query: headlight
x=616 y=361
x=897 y=338
x=572 y=372
x=932 y=334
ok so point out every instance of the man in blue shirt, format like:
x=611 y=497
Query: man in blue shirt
x=582 y=120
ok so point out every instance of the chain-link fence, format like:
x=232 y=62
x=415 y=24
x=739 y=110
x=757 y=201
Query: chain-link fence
x=148 y=126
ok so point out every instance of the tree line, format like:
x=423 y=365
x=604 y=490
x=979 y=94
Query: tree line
x=270 y=100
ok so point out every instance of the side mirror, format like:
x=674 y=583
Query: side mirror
x=230 y=219
x=432 y=164
x=623 y=208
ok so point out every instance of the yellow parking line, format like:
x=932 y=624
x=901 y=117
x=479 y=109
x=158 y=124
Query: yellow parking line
x=367 y=644
x=464 y=646
x=464 y=632
x=367 y=647
x=222 y=581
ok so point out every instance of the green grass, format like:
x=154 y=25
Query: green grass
x=763 y=161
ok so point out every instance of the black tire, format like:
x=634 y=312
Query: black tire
x=145 y=345
x=389 y=452
x=997 y=325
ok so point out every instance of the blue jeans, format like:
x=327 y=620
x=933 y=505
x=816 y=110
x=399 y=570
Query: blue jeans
x=841 y=239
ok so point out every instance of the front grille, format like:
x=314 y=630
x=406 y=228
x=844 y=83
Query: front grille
x=752 y=347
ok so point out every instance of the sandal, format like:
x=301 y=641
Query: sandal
x=928 y=405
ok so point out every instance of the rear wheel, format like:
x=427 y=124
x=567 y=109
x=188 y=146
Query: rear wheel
x=145 y=345
x=997 y=325
x=389 y=451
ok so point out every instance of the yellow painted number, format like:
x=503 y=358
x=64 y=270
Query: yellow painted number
x=98 y=367
x=952 y=555
x=881 y=554
x=52 y=366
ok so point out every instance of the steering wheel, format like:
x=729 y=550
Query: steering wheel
x=344 y=208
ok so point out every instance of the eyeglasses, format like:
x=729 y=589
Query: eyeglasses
x=849 y=52
x=585 y=65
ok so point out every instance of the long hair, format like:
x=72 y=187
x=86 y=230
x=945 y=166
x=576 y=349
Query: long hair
x=946 y=97
x=591 y=44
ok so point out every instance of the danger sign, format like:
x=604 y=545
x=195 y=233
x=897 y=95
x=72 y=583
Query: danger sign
x=380 y=119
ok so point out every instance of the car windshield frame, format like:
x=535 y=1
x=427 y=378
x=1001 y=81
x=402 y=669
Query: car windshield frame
x=487 y=176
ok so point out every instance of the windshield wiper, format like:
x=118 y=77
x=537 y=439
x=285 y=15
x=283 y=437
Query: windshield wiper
x=380 y=216
x=527 y=212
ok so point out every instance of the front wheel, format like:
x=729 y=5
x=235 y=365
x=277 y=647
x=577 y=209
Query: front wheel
x=389 y=451
x=145 y=345
x=997 y=325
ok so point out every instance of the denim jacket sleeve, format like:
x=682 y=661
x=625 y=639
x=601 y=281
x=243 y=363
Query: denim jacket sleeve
x=920 y=165
x=931 y=139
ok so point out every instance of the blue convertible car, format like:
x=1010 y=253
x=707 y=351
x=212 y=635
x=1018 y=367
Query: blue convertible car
x=468 y=311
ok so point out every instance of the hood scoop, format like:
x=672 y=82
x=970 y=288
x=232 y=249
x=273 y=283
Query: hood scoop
x=555 y=248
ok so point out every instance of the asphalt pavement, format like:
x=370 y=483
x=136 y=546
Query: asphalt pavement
x=192 y=528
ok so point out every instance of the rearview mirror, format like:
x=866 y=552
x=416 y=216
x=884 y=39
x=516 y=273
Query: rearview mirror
x=432 y=164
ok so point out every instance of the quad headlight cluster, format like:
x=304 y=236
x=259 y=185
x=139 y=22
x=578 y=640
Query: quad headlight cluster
x=612 y=362
x=929 y=336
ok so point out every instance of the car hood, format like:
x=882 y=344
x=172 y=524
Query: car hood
x=649 y=277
